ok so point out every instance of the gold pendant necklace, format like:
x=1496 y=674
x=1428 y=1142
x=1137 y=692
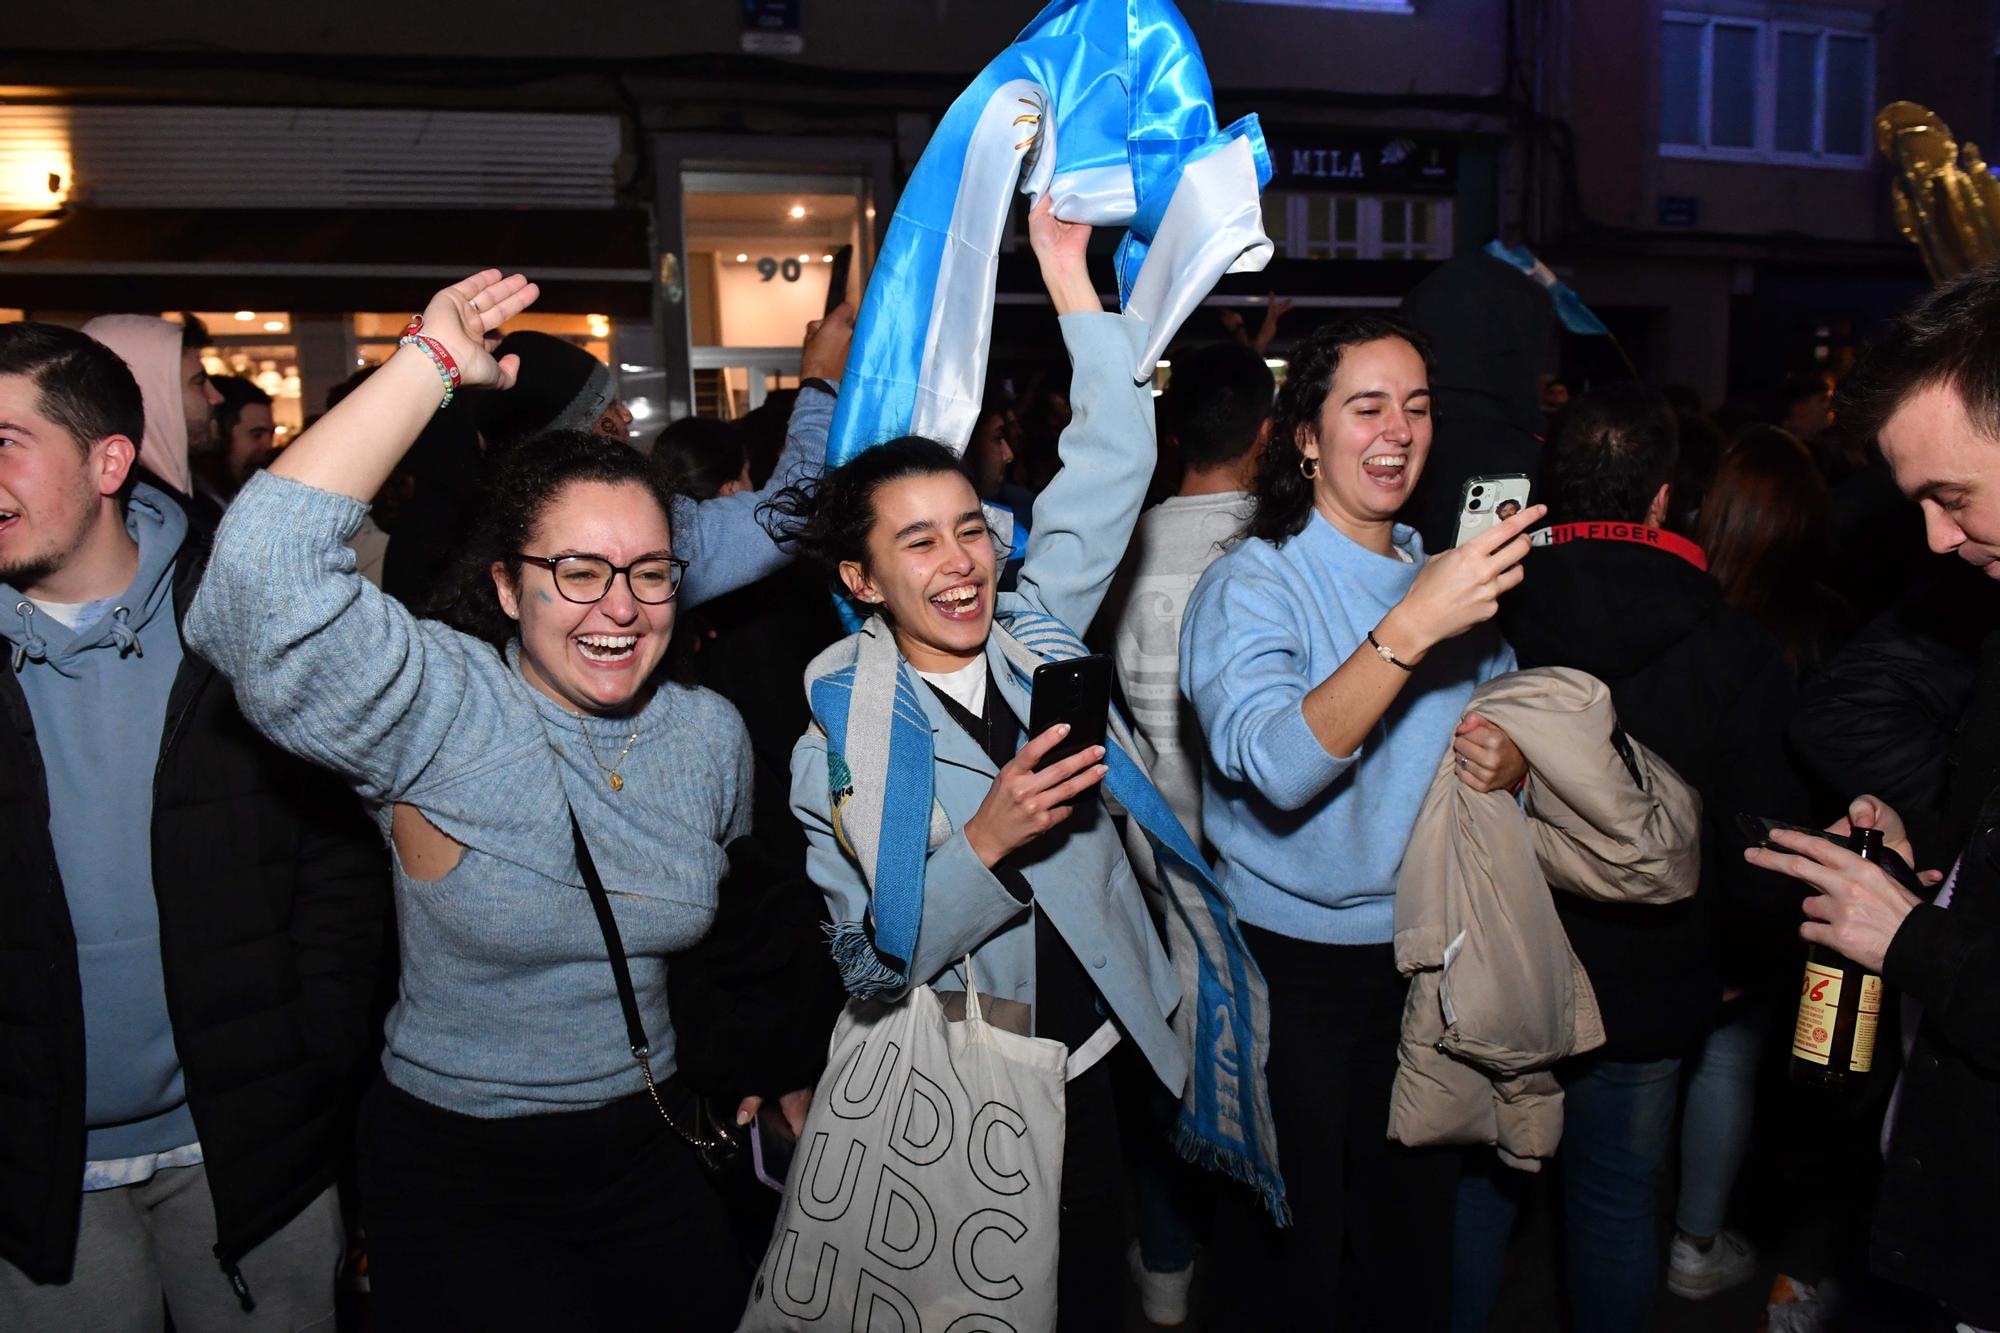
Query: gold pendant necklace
x=610 y=771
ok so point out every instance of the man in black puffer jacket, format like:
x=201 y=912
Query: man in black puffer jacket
x=191 y=921
x=1708 y=691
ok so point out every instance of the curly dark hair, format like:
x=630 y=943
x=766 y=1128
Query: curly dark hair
x=526 y=481
x=827 y=520
x=1285 y=494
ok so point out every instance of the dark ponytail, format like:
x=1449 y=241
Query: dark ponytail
x=827 y=519
x=526 y=480
x=1284 y=493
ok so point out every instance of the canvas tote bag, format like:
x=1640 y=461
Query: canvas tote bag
x=923 y=1197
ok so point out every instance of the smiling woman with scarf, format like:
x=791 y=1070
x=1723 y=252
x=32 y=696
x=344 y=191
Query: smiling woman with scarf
x=934 y=838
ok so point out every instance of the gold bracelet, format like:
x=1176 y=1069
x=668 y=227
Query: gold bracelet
x=1386 y=655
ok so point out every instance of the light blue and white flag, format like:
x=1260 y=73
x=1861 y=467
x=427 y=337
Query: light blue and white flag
x=1105 y=106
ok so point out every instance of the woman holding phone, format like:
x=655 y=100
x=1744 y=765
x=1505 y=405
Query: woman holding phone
x=1329 y=661
x=1032 y=881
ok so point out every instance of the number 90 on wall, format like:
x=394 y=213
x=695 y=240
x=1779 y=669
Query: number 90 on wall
x=769 y=268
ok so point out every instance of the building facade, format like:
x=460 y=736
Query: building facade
x=680 y=177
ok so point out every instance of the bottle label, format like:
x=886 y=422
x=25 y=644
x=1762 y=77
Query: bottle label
x=1819 y=1003
x=1865 y=1018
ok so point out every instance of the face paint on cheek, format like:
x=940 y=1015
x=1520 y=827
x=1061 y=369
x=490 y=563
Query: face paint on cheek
x=544 y=596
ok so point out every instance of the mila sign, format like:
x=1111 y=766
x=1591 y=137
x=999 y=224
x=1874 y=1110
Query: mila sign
x=1364 y=163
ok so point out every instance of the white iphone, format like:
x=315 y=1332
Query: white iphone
x=1486 y=501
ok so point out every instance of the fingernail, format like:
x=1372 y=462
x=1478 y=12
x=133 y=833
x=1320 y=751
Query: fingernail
x=742 y=1117
x=1064 y=727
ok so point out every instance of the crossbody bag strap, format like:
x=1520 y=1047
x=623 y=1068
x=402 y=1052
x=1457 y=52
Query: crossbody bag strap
x=635 y=1030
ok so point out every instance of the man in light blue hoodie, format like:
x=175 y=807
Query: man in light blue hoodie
x=201 y=915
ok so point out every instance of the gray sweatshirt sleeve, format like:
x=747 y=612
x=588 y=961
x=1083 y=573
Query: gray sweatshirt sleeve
x=729 y=547
x=321 y=660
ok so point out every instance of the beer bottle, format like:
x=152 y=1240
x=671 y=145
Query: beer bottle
x=1839 y=1004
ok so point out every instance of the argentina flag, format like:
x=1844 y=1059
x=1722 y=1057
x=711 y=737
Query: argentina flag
x=1105 y=106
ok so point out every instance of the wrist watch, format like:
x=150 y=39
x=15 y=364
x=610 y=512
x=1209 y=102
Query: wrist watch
x=826 y=387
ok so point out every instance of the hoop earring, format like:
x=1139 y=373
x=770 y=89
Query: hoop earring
x=1308 y=468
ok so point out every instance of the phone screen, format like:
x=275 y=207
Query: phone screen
x=1078 y=692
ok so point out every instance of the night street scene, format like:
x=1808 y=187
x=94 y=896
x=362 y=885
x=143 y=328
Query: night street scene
x=1033 y=666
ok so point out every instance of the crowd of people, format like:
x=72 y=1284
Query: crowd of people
x=433 y=845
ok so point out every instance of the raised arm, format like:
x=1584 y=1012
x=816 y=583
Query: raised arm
x=1084 y=519
x=729 y=547
x=321 y=661
x=353 y=448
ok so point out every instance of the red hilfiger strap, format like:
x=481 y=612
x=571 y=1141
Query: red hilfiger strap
x=1637 y=533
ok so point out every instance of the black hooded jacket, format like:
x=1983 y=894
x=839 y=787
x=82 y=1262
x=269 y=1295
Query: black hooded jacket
x=1490 y=328
x=1710 y=692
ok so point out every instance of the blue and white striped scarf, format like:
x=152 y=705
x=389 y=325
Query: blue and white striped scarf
x=879 y=741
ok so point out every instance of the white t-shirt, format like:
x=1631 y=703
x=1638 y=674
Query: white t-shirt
x=967 y=685
x=67 y=614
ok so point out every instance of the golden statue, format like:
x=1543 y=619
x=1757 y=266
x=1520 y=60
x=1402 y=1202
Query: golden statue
x=1946 y=200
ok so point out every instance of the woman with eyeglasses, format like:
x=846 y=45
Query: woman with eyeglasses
x=520 y=1167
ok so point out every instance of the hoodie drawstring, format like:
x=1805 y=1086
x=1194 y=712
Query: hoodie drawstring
x=123 y=633
x=236 y=1282
x=31 y=644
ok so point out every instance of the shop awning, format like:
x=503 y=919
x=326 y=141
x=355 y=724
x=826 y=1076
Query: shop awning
x=597 y=260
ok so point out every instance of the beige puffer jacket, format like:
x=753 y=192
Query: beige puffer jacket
x=1496 y=994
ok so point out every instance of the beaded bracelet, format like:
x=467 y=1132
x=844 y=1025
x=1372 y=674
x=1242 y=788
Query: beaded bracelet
x=414 y=336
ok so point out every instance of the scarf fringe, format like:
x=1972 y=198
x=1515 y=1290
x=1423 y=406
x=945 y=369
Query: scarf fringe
x=1211 y=1156
x=862 y=970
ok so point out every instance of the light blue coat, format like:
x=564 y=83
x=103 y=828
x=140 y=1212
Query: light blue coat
x=1078 y=871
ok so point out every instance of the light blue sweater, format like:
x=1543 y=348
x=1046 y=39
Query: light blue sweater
x=506 y=1004
x=1309 y=844
x=98 y=696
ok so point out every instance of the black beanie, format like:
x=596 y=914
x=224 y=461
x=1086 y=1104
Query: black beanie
x=558 y=387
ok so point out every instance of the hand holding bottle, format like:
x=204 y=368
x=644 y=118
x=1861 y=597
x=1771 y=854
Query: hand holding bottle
x=1859 y=907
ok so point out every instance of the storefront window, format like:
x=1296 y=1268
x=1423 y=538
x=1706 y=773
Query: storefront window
x=1317 y=225
x=760 y=257
x=257 y=345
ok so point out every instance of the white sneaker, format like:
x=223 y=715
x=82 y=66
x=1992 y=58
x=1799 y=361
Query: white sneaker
x=1162 y=1296
x=1697 y=1275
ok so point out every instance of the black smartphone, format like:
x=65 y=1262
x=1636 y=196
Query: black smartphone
x=1758 y=829
x=1077 y=691
x=836 y=279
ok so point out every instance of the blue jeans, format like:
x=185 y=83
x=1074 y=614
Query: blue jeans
x=1715 y=1126
x=1617 y=1117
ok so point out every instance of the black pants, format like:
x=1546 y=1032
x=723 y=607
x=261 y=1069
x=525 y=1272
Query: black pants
x=1090 y=1269
x=1370 y=1243
x=585 y=1220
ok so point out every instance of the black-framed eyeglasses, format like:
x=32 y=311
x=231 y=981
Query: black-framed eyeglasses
x=586 y=578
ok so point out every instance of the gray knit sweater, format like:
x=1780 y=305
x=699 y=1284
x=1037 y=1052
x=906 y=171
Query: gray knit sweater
x=506 y=1005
